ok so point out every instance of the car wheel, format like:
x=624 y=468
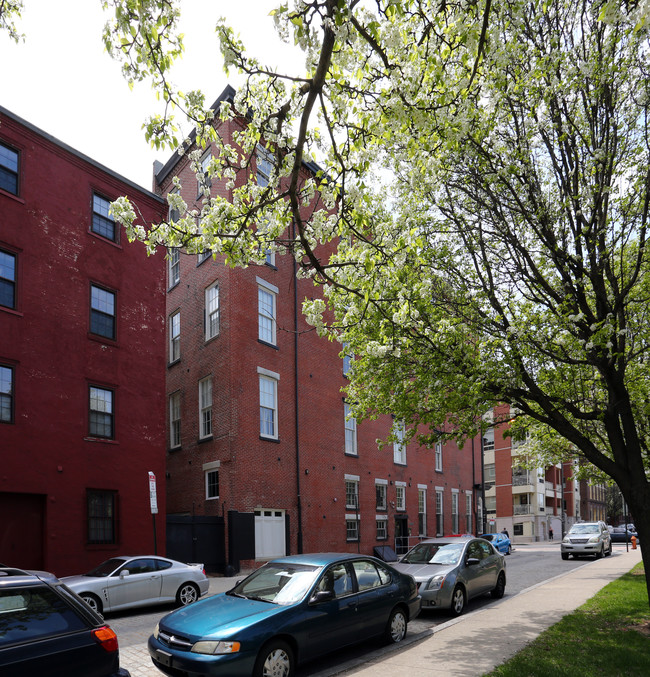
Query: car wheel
x=396 y=627
x=274 y=660
x=187 y=593
x=565 y=555
x=500 y=588
x=599 y=554
x=609 y=551
x=92 y=601
x=458 y=601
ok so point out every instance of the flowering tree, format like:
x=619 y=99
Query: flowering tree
x=485 y=173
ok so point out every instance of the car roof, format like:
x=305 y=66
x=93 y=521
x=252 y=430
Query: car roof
x=449 y=539
x=321 y=558
x=12 y=576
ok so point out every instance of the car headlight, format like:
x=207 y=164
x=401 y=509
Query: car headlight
x=594 y=539
x=213 y=648
x=156 y=630
x=435 y=583
x=566 y=540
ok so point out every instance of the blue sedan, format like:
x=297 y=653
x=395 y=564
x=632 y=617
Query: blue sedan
x=500 y=541
x=290 y=610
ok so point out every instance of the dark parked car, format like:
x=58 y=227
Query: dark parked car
x=622 y=535
x=290 y=610
x=46 y=630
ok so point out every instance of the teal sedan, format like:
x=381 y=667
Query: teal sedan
x=289 y=611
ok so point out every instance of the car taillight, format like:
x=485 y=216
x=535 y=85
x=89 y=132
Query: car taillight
x=106 y=638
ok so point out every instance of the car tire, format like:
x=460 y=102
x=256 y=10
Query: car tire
x=509 y=550
x=187 y=593
x=92 y=601
x=600 y=553
x=565 y=555
x=458 y=601
x=396 y=627
x=609 y=551
x=500 y=588
x=275 y=659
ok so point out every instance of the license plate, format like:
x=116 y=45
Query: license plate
x=164 y=658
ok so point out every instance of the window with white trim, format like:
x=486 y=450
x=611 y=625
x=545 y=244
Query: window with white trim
x=488 y=440
x=350 y=431
x=212 y=315
x=381 y=487
x=399 y=445
x=175 y=420
x=266 y=311
x=174 y=266
x=400 y=496
x=352 y=492
x=211 y=472
x=205 y=407
x=382 y=527
x=268 y=403
x=455 y=528
x=468 y=512
x=265 y=162
x=175 y=337
x=351 y=528
x=103 y=223
x=204 y=182
x=422 y=511
x=438 y=454
x=439 y=512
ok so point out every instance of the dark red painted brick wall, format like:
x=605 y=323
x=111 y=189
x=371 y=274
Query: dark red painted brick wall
x=46 y=453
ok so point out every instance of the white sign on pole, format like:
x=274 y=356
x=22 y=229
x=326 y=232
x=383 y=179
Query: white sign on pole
x=152 y=493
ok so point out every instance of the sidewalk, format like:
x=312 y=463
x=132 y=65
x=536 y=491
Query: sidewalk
x=468 y=646
x=476 y=643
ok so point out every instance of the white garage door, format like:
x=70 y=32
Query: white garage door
x=269 y=534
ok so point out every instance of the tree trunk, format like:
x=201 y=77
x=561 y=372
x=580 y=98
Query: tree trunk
x=637 y=496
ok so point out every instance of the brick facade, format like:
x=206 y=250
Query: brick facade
x=56 y=463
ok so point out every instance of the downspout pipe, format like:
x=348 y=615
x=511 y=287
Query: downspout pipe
x=296 y=399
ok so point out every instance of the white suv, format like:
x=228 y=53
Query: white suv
x=587 y=538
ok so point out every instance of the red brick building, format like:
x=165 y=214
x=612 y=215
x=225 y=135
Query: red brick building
x=261 y=460
x=82 y=360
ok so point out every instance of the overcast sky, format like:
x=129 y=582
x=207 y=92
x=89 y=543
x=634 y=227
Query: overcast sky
x=61 y=79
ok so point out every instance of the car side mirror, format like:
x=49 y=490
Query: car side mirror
x=322 y=596
x=472 y=561
x=124 y=572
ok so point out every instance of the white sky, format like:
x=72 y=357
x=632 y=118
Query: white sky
x=61 y=80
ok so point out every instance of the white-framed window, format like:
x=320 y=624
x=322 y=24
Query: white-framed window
x=205 y=407
x=488 y=440
x=350 y=431
x=211 y=473
x=175 y=420
x=265 y=164
x=438 y=454
x=468 y=512
x=491 y=505
x=382 y=527
x=203 y=178
x=351 y=528
x=268 y=403
x=422 y=511
x=203 y=256
x=175 y=336
x=212 y=311
x=399 y=445
x=439 y=512
x=352 y=491
x=381 y=487
x=103 y=223
x=455 y=528
x=174 y=266
x=270 y=258
x=173 y=214
x=489 y=475
x=347 y=359
x=400 y=495
x=266 y=311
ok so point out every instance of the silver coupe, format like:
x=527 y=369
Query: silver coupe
x=126 y=582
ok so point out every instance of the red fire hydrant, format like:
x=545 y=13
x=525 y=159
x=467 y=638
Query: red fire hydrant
x=633 y=540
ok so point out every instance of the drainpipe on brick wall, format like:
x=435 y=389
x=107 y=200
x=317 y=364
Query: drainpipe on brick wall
x=295 y=388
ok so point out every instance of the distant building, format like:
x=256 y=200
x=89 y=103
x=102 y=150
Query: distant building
x=262 y=459
x=82 y=360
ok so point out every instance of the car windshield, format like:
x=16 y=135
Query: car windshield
x=489 y=537
x=584 y=529
x=434 y=553
x=278 y=583
x=106 y=568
